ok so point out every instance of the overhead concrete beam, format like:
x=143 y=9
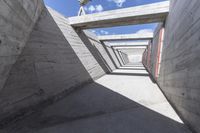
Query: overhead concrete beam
x=140 y=47
x=121 y=46
x=127 y=44
x=149 y=13
x=145 y=36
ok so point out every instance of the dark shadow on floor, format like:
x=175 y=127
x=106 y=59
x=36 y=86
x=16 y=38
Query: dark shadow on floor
x=96 y=109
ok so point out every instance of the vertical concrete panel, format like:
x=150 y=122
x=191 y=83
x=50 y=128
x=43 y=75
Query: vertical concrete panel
x=180 y=67
x=97 y=50
x=101 y=51
x=113 y=56
x=125 y=57
x=118 y=56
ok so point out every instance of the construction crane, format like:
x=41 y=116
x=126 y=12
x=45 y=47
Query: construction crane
x=82 y=3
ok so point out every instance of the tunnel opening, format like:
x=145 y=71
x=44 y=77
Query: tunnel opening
x=59 y=75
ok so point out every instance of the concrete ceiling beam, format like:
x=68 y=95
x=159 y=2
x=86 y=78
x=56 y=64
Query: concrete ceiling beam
x=144 y=36
x=150 y=13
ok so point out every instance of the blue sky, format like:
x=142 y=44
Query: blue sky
x=70 y=8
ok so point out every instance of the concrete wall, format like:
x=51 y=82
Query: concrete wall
x=155 y=50
x=100 y=50
x=125 y=57
x=54 y=61
x=135 y=58
x=17 y=18
x=118 y=57
x=113 y=56
x=180 y=67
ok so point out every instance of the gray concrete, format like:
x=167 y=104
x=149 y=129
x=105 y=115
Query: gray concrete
x=154 y=49
x=126 y=43
x=133 y=54
x=145 y=36
x=150 y=13
x=180 y=67
x=100 y=49
x=125 y=57
x=129 y=47
x=125 y=101
x=118 y=56
x=17 y=19
x=81 y=45
x=46 y=66
x=113 y=56
x=54 y=61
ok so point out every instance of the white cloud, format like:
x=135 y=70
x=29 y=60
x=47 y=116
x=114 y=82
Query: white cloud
x=91 y=8
x=94 y=8
x=144 y=31
x=99 y=8
x=100 y=32
x=94 y=31
x=119 y=3
x=104 y=32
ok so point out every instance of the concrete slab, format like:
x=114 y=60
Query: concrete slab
x=145 y=36
x=126 y=43
x=150 y=13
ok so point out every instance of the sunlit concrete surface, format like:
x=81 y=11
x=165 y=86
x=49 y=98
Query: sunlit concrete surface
x=137 y=86
x=131 y=71
x=126 y=43
x=112 y=104
x=145 y=36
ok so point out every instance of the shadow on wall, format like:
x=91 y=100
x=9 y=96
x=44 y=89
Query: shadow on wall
x=93 y=109
x=47 y=70
x=94 y=51
x=109 y=54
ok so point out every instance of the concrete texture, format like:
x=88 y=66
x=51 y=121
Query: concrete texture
x=55 y=59
x=47 y=65
x=100 y=50
x=112 y=55
x=145 y=36
x=81 y=45
x=150 y=13
x=125 y=57
x=112 y=104
x=180 y=67
x=126 y=44
x=129 y=48
x=156 y=50
x=17 y=19
x=118 y=56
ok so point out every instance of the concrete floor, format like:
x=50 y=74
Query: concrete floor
x=125 y=101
